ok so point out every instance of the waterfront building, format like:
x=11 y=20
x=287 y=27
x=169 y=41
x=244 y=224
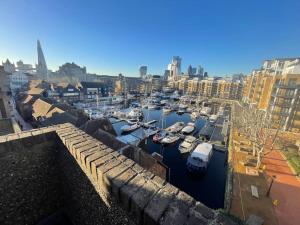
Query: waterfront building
x=193 y=86
x=206 y=87
x=119 y=87
x=275 y=87
x=143 y=71
x=17 y=80
x=67 y=92
x=8 y=66
x=222 y=89
x=212 y=87
x=236 y=90
x=107 y=80
x=41 y=67
x=156 y=83
x=93 y=89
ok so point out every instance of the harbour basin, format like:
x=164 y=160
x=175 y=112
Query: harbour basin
x=208 y=188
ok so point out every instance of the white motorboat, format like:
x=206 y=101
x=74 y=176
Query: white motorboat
x=152 y=107
x=182 y=106
x=164 y=102
x=175 y=128
x=167 y=110
x=132 y=121
x=195 y=115
x=180 y=111
x=205 y=111
x=96 y=115
x=155 y=94
x=175 y=96
x=159 y=136
x=189 y=128
x=170 y=138
x=188 y=144
x=117 y=100
x=128 y=127
x=199 y=158
x=135 y=113
x=189 y=110
x=213 y=118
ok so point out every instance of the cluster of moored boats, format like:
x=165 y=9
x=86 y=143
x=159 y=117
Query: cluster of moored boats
x=199 y=149
x=200 y=152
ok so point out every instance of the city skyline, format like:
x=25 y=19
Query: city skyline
x=224 y=41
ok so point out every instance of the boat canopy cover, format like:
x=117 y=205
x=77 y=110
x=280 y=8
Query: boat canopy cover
x=188 y=128
x=202 y=151
x=185 y=144
x=190 y=138
x=191 y=124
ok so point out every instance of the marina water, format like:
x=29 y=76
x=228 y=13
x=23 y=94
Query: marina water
x=208 y=188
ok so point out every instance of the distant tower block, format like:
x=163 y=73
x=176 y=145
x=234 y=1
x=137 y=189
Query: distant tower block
x=143 y=71
x=41 y=67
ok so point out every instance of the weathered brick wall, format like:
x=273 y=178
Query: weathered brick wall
x=146 y=197
x=96 y=181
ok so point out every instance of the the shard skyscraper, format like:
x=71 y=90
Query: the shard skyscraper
x=41 y=67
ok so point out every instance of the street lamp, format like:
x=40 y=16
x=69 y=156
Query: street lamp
x=272 y=180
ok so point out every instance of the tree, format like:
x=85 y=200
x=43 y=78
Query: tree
x=254 y=125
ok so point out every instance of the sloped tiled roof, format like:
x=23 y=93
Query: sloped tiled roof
x=34 y=83
x=40 y=108
x=27 y=99
x=59 y=118
x=35 y=91
x=62 y=84
x=52 y=111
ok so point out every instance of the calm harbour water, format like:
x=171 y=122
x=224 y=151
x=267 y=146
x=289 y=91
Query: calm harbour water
x=208 y=188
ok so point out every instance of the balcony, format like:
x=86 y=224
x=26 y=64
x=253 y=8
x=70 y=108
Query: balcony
x=285 y=86
x=283 y=104
x=282 y=96
x=280 y=113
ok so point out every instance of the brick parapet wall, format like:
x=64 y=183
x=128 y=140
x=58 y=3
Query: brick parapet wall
x=148 y=198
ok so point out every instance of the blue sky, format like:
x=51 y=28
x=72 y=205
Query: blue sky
x=114 y=36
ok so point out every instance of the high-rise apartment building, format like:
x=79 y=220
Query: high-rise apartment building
x=275 y=88
x=143 y=71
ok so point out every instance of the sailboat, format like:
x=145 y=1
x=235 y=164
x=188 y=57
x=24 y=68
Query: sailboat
x=162 y=133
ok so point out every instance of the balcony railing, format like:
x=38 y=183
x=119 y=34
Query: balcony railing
x=283 y=104
x=282 y=96
x=285 y=86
